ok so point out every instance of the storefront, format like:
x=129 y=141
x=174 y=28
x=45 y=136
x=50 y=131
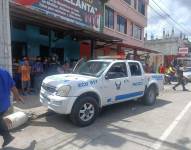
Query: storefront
x=69 y=29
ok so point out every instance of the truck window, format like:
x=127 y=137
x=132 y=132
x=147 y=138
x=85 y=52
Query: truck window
x=117 y=70
x=135 y=69
x=92 y=68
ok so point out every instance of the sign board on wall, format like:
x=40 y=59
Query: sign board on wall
x=84 y=13
x=183 y=50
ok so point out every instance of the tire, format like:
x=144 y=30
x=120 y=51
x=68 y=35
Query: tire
x=149 y=98
x=84 y=111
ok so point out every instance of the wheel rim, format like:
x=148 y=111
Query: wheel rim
x=87 y=112
x=151 y=95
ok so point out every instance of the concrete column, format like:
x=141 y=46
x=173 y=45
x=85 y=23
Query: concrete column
x=5 y=36
x=5 y=40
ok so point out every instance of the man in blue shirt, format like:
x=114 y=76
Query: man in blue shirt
x=6 y=86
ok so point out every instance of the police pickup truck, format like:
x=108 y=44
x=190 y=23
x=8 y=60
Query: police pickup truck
x=98 y=83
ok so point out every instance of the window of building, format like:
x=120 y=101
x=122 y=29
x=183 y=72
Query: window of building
x=141 y=6
x=135 y=69
x=128 y=1
x=121 y=24
x=109 y=17
x=132 y=28
x=137 y=32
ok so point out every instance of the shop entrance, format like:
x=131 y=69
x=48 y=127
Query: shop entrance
x=60 y=53
x=44 y=51
x=19 y=49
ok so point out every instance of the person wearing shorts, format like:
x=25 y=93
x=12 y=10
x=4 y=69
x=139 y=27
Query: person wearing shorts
x=25 y=77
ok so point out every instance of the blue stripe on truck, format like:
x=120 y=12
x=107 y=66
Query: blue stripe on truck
x=129 y=95
x=157 y=77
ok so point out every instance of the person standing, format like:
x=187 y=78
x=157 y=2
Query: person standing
x=6 y=86
x=161 y=69
x=180 y=78
x=38 y=74
x=25 y=77
x=147 y=68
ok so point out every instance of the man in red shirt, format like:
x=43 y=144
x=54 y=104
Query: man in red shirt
x=161 y=69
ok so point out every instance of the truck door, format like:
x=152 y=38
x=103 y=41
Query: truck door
x=116 y=84
x=137 y=79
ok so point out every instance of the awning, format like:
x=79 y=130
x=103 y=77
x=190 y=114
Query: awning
x=28 y=16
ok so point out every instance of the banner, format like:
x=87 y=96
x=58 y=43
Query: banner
x=84 y=13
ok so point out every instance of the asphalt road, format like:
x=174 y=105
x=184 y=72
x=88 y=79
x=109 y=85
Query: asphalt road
x=125 y=126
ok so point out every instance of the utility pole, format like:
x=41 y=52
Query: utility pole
x=5 y=39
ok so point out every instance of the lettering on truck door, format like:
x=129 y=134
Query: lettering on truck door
x=116 y=84
x=137 y=79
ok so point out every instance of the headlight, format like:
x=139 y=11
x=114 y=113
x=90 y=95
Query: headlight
x=63 y=91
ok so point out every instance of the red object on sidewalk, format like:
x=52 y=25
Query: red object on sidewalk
x=26 y=2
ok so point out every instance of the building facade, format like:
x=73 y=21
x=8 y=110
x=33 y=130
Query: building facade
x=72 y=29
x=169 y=47
x=126 y=19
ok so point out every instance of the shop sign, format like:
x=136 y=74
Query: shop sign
x=183 y=50
x=84 y=13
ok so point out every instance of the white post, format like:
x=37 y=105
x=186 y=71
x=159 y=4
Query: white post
x=5 y=36
x=5 y=39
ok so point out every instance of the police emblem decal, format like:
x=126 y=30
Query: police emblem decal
x=118 y=85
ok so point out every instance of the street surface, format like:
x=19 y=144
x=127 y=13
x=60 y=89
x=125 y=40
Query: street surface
x=125 y=126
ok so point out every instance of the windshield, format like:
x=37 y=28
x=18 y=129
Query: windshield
x=92 y=68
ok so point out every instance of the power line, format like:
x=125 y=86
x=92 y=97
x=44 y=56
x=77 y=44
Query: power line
x=169 y=16
x=161 y=15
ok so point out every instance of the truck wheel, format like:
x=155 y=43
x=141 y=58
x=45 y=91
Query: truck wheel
x=84 y=111
x=149 y=98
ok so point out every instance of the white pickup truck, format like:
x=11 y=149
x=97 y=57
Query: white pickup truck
x=97 y=83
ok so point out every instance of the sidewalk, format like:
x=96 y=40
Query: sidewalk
x=31 y=104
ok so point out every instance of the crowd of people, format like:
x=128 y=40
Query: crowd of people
x=29 y=72
x=171 y=73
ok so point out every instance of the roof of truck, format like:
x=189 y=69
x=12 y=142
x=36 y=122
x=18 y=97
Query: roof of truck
x=114 y=60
